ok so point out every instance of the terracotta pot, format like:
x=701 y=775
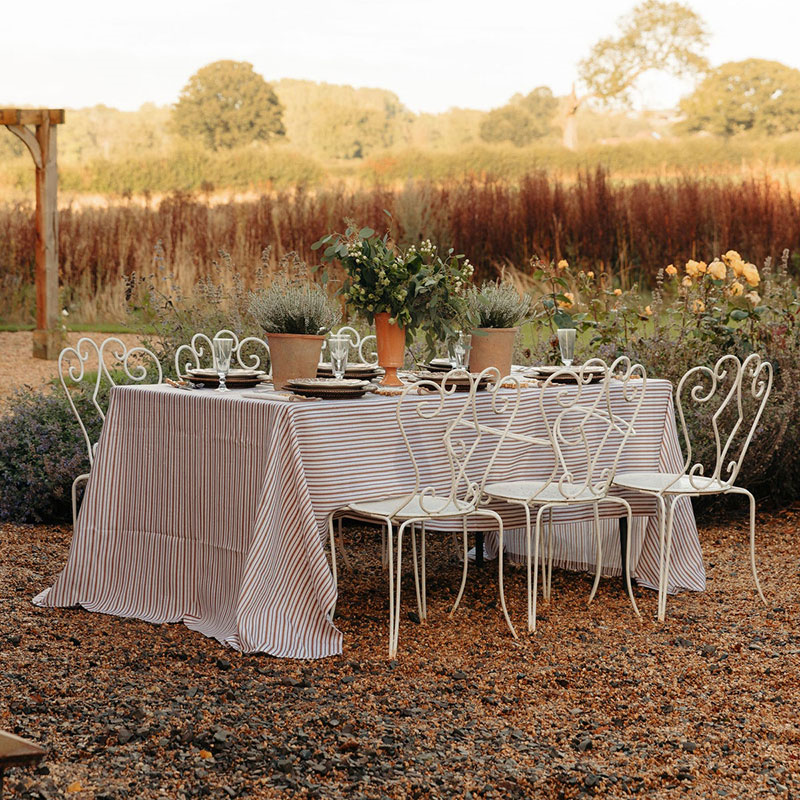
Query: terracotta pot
x=293 y=355
x=391 y=348
x=492 y=347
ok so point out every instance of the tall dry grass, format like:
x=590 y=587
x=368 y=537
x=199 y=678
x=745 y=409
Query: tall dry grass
x=627 y=229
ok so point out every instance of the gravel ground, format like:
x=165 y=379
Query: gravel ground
x=18 y=366
x=596 y=704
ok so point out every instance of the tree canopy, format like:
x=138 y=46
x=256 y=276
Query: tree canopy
x=657 y=35
x=525 y=118
x=227 y=104
x=753 y=95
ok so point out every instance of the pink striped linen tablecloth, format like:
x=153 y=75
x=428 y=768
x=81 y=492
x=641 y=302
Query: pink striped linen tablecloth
x=211 y=509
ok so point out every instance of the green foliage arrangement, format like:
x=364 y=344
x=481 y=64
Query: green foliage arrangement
x=497 y=304
x=416 y=286
x=293 y=304
x=227 y=104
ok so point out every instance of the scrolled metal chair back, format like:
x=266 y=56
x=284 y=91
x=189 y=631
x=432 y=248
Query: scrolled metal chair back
x=72 y=368
x=583 y=433
x=362 y=346
x=200 y=350
x=737 y=392
x=460 y=447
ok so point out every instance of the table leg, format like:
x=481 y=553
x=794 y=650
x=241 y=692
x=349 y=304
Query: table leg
x=479 y=549
x=623 y=546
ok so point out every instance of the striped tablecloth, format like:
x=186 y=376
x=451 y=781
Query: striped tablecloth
x=211 y=508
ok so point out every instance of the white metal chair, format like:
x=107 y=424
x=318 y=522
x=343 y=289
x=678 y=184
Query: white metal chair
x=362 y=346
x=585 y=433
x=200 y=345
x=72 y=367
x=725 y=388
x=459 y=496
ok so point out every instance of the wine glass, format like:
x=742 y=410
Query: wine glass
x=459 y=354
x=566 y=344
x=223 y=348
x=339 y=348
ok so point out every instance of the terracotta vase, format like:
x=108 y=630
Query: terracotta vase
x=391 y=348
x=293 y=355
x=492 y=347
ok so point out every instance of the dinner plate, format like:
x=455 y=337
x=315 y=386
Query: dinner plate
x=232 y=373
x=439 y=365
x=212 y=381
x=364 y=371
x=329 y=388
x=462 y=382
x=569 y=375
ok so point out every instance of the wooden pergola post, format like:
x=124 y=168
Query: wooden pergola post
x=42 y=144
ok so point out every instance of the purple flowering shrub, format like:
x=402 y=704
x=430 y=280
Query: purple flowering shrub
x=41 y=452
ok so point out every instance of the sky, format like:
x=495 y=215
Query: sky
x=434 y=54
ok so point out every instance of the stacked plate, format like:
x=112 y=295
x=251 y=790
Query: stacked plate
x=329 y=388
x=439 y=365
x=461 y=382
x=236 y=378
x=590 y=374
x=362 y=372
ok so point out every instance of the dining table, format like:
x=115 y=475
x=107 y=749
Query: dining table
x=210 y=508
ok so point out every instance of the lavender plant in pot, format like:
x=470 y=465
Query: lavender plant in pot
x=495 y=310
x=295 y=314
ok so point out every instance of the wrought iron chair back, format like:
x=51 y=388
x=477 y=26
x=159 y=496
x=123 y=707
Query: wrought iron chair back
x=738 y=392
x=462 y=491
x=584 y=435
x=200 y=348
x=362 y=346
x=72 y=368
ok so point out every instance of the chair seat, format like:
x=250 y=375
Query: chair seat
x=395 y=508
x=657 y=482
x=540 y=492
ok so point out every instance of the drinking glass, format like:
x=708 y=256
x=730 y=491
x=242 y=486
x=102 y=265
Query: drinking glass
x=459 y=352
x=223 y=348
x=566 y=343
x=339 y=348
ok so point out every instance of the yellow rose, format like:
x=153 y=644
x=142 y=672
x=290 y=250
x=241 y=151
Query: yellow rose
x=687 y=281
x=618 y=292
x=670 y=270
x=737 y=267
x=648 y=311
x=730 y=257
x=563 y=264
x=751 y=274
x=736 y=289
x=691 y=268
x=569 y=302
x=717 y=270
x=753 y=298
x=590 y=275
x=698 y=306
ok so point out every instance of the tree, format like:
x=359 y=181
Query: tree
x=524 y=119
x=753 y=95
x=228 y=104
x=657 y=35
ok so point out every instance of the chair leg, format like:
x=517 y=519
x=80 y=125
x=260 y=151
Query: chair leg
x=398 y=585
x=537 y=538
x=626 y=564
x=345 y=559
x=668 y=548
x=550 y=536
x=384 y=560
x=500 y=577
x=416 y=572
x=662 y=521
x=465 y=546
x=598 y=553
x=753 y=542
x=333 y=563
x=424 y=572
x=390 y=563
x=532 y=573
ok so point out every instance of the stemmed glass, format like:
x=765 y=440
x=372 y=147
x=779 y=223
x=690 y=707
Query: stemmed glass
x=566 y=344
x=459 y=350
x=223 y=348
x=339 y=348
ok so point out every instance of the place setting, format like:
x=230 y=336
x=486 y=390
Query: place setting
x=567 y=373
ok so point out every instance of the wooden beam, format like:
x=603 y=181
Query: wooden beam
x=31 y=116
x=30 y=141
x=16 y=751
